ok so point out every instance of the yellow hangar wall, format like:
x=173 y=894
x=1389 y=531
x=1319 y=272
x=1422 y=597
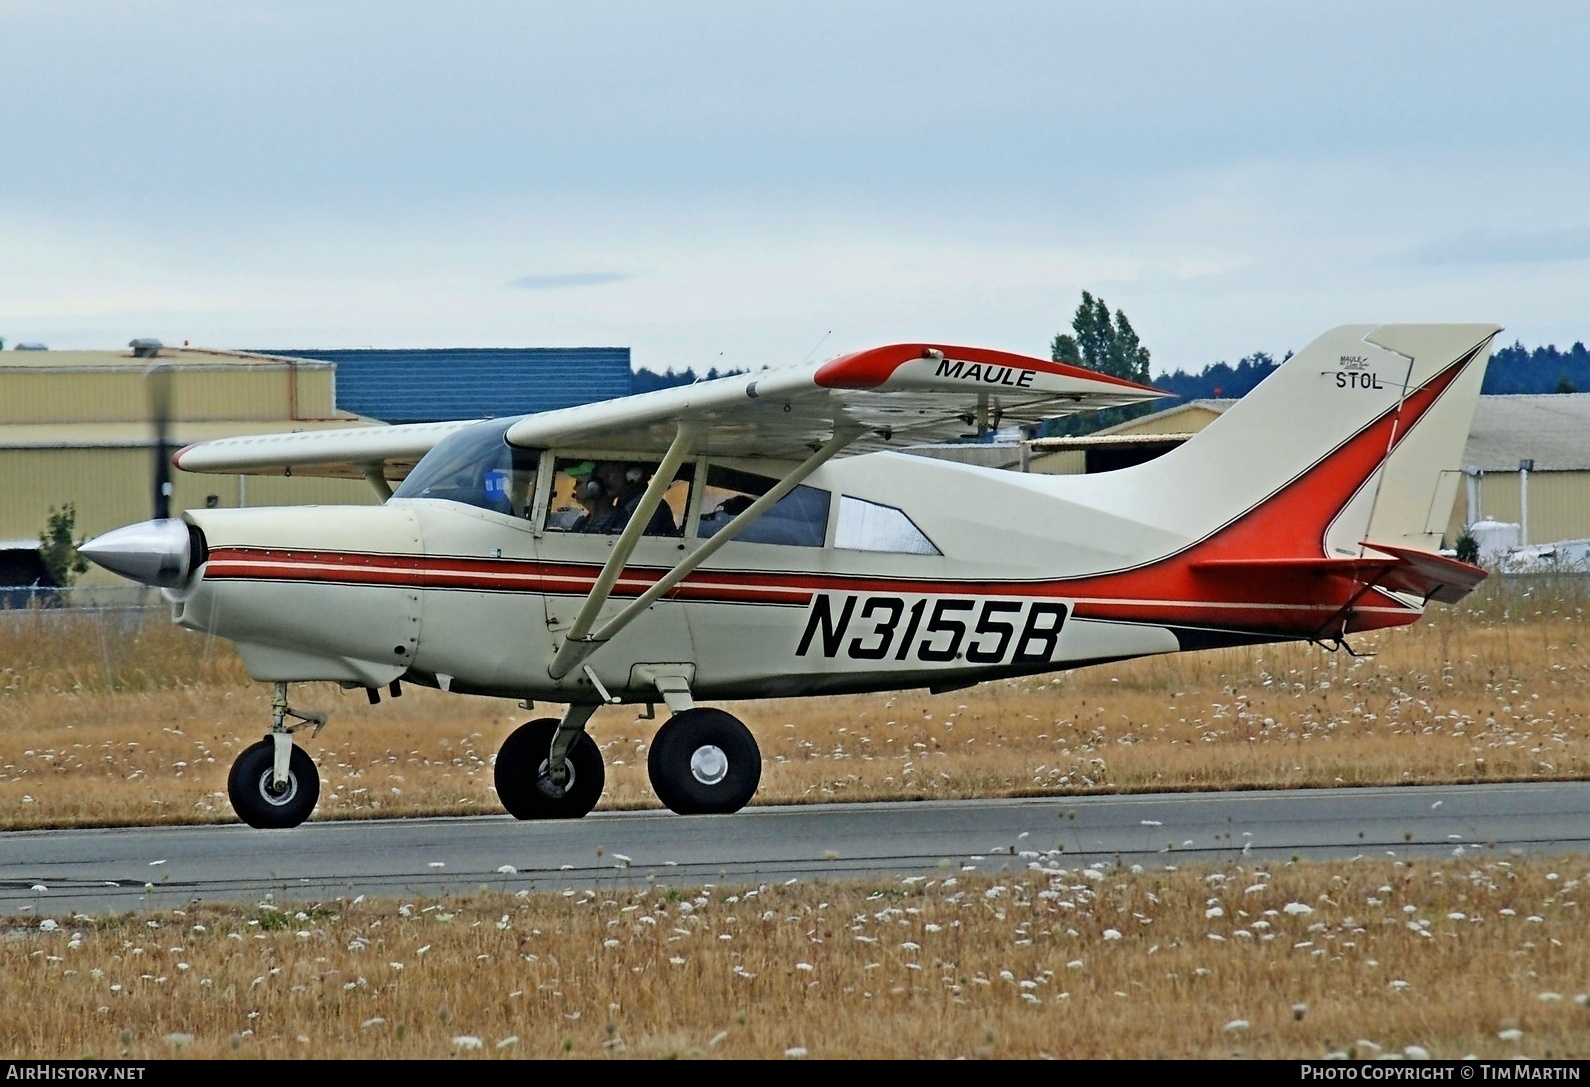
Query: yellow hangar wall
x=114 y=487
x=211 y=393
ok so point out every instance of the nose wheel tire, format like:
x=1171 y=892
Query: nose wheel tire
x=703 y=761
x=257 y=799
x=527 y=789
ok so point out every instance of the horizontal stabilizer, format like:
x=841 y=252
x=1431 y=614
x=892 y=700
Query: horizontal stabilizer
x=1434 y=577
x=1428 y=576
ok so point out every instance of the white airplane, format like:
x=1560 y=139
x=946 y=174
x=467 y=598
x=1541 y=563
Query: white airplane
x=753 y=537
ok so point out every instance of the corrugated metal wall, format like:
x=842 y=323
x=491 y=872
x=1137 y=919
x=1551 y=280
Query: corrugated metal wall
x=1066 y=462
x=1559 y=504
x=413 y=386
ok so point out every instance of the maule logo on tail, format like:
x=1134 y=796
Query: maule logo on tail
x=1354 y=373
x=989 y=374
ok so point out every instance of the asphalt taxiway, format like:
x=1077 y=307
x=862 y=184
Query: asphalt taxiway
x=58 y=872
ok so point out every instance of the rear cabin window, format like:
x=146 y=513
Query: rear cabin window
x=868 y=526
x=799 y=519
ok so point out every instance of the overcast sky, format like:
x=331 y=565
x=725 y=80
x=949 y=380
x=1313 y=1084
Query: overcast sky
x=752 y=183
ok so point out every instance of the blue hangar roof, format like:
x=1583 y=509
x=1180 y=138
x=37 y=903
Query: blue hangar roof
x=418 y=386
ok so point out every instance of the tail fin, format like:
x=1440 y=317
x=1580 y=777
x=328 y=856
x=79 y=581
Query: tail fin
x=1357 y=438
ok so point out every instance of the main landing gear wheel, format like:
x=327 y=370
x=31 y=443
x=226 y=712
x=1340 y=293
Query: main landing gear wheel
x=259 y=801
x=525 y=787
x=704 y=762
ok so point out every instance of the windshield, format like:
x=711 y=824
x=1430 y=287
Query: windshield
x=477 y=467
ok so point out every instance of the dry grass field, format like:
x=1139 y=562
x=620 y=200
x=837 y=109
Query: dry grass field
x=123 y=718
x=1367 y=958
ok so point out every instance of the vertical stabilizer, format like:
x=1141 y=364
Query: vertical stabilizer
x=1358 y=436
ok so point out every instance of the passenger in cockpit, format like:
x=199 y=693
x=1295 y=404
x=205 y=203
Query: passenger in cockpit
x=611 y=493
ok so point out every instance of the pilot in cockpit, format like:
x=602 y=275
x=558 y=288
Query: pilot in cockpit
x=610 y=493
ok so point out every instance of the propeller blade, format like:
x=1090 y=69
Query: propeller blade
x=160 y=417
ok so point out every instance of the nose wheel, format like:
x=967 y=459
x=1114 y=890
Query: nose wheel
x=704 y=761
x=274 y=784
x=263 y=800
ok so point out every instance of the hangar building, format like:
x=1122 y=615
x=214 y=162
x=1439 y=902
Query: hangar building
x=75 y=426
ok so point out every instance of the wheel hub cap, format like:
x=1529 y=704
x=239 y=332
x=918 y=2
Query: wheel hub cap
x=708 y=764
x=277 y=794
x=557 y=790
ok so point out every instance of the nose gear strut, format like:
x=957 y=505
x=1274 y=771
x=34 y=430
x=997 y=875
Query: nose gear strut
x=281 y=734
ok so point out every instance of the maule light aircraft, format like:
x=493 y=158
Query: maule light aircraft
x=756 y=537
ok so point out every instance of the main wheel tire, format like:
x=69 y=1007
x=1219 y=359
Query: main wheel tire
x=256 y=803
x=524 y=786
x=703 y=761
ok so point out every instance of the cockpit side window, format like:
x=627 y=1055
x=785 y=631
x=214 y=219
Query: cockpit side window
x=868 y=526
x=799 y=519
x=479 y=468
x=600 y=497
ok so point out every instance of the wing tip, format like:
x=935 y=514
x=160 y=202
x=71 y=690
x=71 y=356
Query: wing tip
x=871 y=368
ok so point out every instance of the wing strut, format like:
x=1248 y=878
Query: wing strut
x=573 y=651
x=375 y=475
x=581 y=644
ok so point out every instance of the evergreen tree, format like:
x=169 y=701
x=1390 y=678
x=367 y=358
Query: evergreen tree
x=1094 y=334
x=1128 y=357
x=1104 y=344
x=57 y=548
x=1064 y=349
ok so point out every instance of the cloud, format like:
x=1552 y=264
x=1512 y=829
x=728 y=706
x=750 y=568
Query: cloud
x=568 y=279
x=1497 y=247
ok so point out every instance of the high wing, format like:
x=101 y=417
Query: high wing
x=884 y=398
x=347 y=453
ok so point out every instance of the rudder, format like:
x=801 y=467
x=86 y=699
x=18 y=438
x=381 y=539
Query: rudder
x=1320 y=429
